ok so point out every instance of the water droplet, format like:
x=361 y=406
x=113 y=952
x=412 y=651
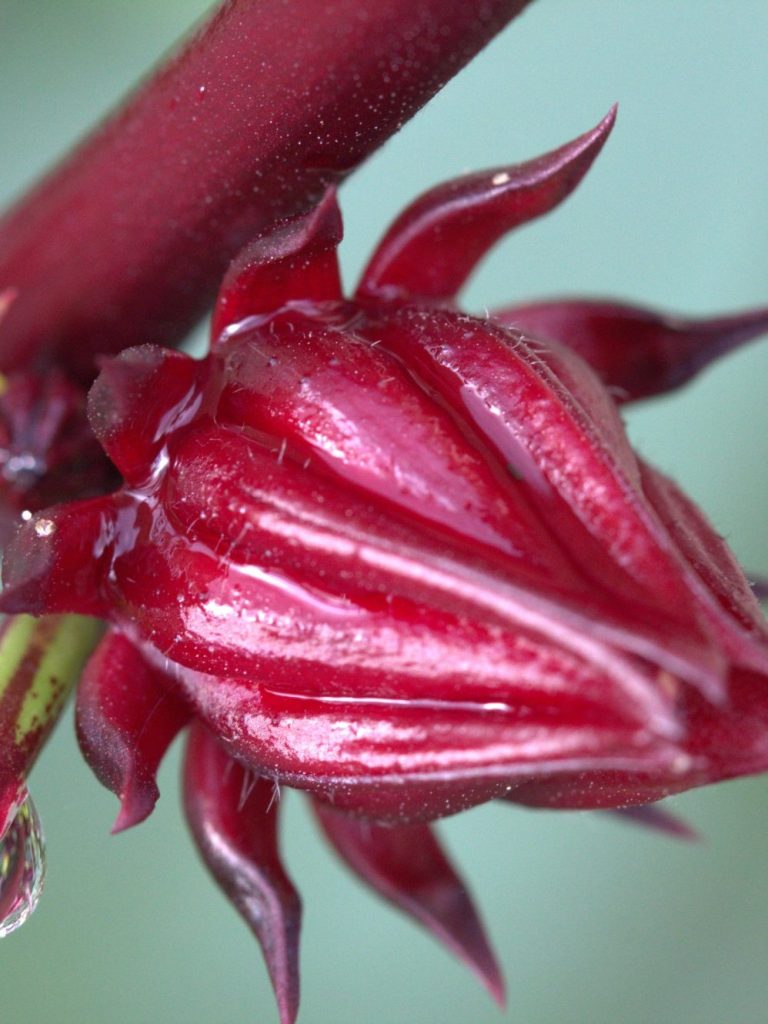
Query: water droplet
x=22 y=868
x=45 y=527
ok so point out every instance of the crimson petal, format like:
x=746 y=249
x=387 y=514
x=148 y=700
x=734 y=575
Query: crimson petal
x=544 y=413
x=433 y=246
x=406 y=865
x=637 y=352
x=137 y=399
x=127 y=715
x=233 y=818
x=726 y=597
x=405 y=761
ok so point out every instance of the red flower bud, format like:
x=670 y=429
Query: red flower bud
x=397 y=556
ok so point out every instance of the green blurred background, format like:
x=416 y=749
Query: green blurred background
x=594 y=921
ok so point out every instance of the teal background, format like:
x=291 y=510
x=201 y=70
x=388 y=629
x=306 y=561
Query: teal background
x=594 y=921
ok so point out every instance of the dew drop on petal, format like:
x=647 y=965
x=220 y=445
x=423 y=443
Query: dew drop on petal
x=22 y=868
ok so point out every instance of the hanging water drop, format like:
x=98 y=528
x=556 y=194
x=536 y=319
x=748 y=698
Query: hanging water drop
x=22 y=868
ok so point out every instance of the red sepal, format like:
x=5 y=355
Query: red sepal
x=658 y=820
x=759 y=585
x=406 y=865
x=647 y=815
x=233 y=818
x=47 y=451
x=403 y=761
x=722 y=743
x=434 y=245
x=127 y=715
x=726 y=597
x=636 y=352
x=544 y=414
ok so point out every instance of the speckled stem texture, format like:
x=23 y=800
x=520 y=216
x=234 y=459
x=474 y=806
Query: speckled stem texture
x=127 y=240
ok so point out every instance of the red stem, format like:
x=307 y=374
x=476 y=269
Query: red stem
x=126 y=241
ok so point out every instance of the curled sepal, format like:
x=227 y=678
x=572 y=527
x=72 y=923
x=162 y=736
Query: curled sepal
x=434 y=245
x=232 y=814
x=127 y=715
x=295 y=263
x=658 y=820
x=637 y=352
x=40 y=660
x=406 y=865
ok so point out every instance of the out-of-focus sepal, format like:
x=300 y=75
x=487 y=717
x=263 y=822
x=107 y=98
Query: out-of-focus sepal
x=658 y=820
x=406 y=865
x=233 y=816
x=40 y=661
x=759 y=586
x=727 y=599
x=127 y=715
x=636 y=352
x=650 y=816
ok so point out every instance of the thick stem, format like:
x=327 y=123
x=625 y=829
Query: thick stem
x=126 y=241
